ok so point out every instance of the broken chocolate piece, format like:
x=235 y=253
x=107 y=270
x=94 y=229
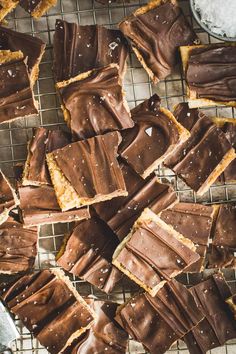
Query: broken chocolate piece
x=153 y=253
x=156 y=31
x=8 y=198
x=6 y=6
x=78 y=49
x=220 y=257
x=207 y=151
x=93 y=103
x=37 y=8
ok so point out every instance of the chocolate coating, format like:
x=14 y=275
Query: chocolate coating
x=229 y=173
x=157 y=35
x=78 y=49
x=211 y=71
x=7 y=200
x=220 y=257
x=29 y=5
x=96 y=104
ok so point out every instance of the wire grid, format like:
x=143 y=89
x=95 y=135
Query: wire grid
x=14 y=137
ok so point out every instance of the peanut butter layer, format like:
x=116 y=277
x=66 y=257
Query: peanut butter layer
x=205 y=155
x=37 y=8
x=8 y=198
x=6 y=6
x=87 y=171
x=153 y=253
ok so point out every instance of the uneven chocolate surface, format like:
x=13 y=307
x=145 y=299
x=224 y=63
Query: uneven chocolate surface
x=193 y=221
x=229 y=173
x=157 y=35
x=220 y=257
x=218 y=325
x=152 y=136
x=105 y=335
x=211 y=71
x=16 y=96
x=96 y=104
x=48 y=308
x=7 y=200
x=88 y=254
x=18 y=247
x=157 y=322
x=121 y=213
x=29 y=5
x=78 y=49
x=202 y=152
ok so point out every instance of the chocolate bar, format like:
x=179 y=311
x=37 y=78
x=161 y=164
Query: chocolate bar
x=6 y=6
x=32 y=48
x=156 y=31
x=194 y=221
x=220 y=257
x=105 y=335
x=232 y=304
x=153 y=253
x=50 y=307
x=87 y=253
x=16 y=96
x=18 y=247
x=218 y=325
x=210 y=74
x=207 y=151
x=158 y=322
x=8 y=198
x=121 y=213
x=37 y=8
x=43 y=141
x=87 y=172
x=93 y=103
x=78 y=49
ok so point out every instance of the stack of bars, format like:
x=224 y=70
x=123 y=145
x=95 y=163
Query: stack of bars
x=98 y=174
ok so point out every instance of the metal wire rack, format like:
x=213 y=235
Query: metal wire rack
x=14 y=137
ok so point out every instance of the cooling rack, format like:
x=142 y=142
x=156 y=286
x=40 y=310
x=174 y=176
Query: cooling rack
x=14 y=137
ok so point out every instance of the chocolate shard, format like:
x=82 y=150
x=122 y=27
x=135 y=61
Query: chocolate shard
x=105 y=335
x=231 y=301
x=155 y=135
x=194 y=221
x=6 y=6
x=153 y=253
x=32 y=48
x=94 y=103
x=8 y=198
x=87 y=253
x=87 y=172
x=49 y=307
x=16 y=95
x=18 y=247
x=218 y=326
x=220 y=257
x=207 y=150
x=121 y=213
x=78 y=49
x=37 y=8
x=157 y=322
x=156 y=31
x=210 y=74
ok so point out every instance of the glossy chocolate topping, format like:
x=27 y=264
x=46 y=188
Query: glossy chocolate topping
x=229 y=173
x=78 y=49
x=18 y=247
x=218 y=325
x=211 y=72
x=157 y=35
x=96 y=104
x=157 y=322
x=121 y=213
x=16 y=97
x=153 y=134
x=91 y=165
x=202 y=152
x=88 y=254
x=220 y=257
x=225 y=226
x=48 y=308
x=7 y=200
x=29 y=5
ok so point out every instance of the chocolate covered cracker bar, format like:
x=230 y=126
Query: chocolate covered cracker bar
x=78 y=49
x=18 y=247
x=155 y=135
x=156 y=31
x=93 y=103
x=6 y=6
x=153 y=253
x=194 y=221
x=210 y=74
x=49 y=307
x=8 y=198
x=87 y=172
x=87 y=253
x=218 y=325
x=205 y=155
x=158 y=322
x=37 y=8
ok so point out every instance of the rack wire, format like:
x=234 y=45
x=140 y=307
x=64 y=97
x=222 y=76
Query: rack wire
x=14 y=137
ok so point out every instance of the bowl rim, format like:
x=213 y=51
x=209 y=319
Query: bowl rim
x=201 y=24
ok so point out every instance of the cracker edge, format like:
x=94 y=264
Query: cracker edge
x=43 y=7
x=8 y=6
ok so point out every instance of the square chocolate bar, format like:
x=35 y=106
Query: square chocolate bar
x=8 y=198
